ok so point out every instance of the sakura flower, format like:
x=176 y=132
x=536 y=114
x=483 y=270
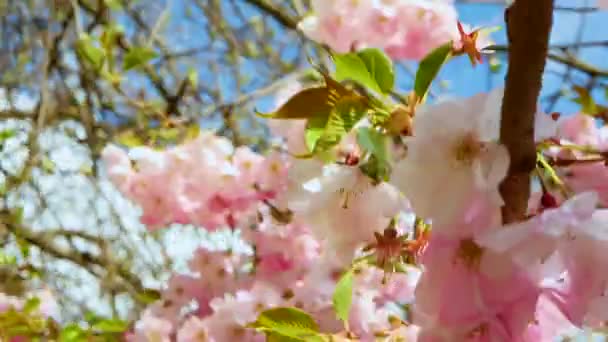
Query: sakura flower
x=233 y=312
x=586 y=176
x=467 y=290
x=424 y=26
x=602 y=4
x=283 y=260
x=344 y=208
x=118 y=165
x=579 y=129
x=193 y=330
x=151 y=328
x=452 y=154
x=532 y=242
x=578 y=236
x=548 y=324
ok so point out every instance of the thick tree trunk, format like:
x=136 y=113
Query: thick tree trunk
x=528 y=27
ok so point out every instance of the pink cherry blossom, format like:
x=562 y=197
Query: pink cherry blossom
x=193 y=330
x=467 y=289
x=151 y=328
x=549 y=322
x=452 y=154
x=344 y=208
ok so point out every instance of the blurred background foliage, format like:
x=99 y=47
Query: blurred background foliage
x=78 y=74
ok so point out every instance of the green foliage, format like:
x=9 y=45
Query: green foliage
x=113 y=4
x=343 y=295
x=6 y=134
x=193 y=77
x=429 y=68
x=110 y=326
x=31 y=305
x=331 y=112
x=307 y=104
x=138 y=56
x=369 y=67
x=375 y=143
x=7 y=259
x=47 y=164
x=87 y=48
x=342 y=118
x=588 y=104
x=287 y=324
x=148 y=297
x=72 y=333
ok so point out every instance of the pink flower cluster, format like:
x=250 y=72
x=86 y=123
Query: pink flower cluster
x=205 y=181
x=471 y=278
x=405 y=29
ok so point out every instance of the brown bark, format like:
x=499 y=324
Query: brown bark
x=528 y=26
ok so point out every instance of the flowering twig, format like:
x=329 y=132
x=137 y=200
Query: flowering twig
x=528 y=26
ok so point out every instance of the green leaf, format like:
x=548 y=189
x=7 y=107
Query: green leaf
x=129 y=138
x=110 y=326
x=369 y=67
x=138 y=56
x=72 y=333
x=321 y=135
x=378 y=166
x=47 y=164
x=31 y=305
x=587 y=102
x=380 y=67
x=343 y=295
x=6 y=134
x=193 y=77
x=377 y=169
x=429 y=68
x=287 y=322
x=274 y=337
x=148 y=296
x=374 y=142
x=113 y=4
x=91 y=53
x=6 y=259
x=309 y=103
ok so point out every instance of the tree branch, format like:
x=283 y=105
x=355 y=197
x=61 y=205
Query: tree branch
x=528 y=26
x=281 y=17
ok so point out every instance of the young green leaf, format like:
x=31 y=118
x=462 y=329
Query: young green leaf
x=429 y=68
x=31 y=305
x=193 y=77
x=72 y=333
x=343 y=295
x=306 y=104
x=369 y=67
x=288 y=322
x=138 y=56
x=380 y=67
x=344 y=116
x=314 y=130
x=94 y=55
x=6 y=134
x=110 y=326
x=373 y=142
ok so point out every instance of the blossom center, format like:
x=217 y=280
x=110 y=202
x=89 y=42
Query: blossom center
x=469 y=253
x=467 y=149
